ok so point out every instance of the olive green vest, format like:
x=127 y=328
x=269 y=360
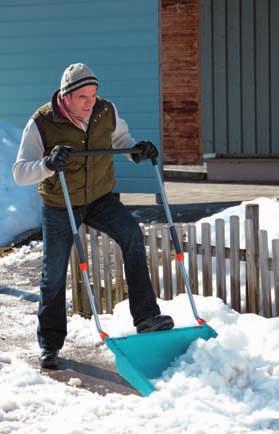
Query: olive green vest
x=88 y=178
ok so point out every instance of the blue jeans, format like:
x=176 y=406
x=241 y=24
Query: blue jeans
x=108 y=215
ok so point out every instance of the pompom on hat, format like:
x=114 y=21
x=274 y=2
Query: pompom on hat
x=76 y=76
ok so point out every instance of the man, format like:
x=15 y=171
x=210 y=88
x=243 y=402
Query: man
x=77 y=118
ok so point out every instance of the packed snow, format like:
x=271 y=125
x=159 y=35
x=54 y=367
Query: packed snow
x=229 y=384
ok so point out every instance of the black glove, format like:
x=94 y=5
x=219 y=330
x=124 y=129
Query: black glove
x=148 y=151
x=58 y=157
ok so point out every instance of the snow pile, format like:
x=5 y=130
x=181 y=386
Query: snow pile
x=20 y=206
x=268 y=219
x=229 y=384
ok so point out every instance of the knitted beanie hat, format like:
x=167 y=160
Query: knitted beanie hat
x=76 y=76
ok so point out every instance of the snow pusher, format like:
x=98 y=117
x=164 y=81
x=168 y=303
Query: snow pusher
x=141 y=358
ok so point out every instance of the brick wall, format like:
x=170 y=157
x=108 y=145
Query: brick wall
x=180 y=81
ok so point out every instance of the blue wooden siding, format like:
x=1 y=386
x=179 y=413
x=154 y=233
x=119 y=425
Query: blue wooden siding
x=117 y=39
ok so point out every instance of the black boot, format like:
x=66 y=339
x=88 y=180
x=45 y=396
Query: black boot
x=49 y=358
x=155 y=323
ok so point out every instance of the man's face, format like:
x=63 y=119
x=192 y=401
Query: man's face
x=81 y=101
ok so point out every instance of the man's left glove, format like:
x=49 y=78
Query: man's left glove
x=148 y=151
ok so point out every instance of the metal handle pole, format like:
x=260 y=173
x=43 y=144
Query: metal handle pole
x=83 y=265
x=109 y=151
x=179 y=252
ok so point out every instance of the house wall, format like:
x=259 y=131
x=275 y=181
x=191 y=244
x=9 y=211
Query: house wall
x=240 y=89
x=117 y=39
x=180 y=81
x=240 y=77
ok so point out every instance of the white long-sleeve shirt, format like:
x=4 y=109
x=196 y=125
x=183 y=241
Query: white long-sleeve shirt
x=30 y=166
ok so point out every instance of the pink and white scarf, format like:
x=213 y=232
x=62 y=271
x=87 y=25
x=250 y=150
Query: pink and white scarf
x=64 y=104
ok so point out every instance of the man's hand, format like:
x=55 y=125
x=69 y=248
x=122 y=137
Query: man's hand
x=58 y=157
x=148 y=151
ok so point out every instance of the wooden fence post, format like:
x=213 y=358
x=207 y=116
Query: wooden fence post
x=193 y=261
x=79 y=293
x=107 y=272
x=275 y=263
x=206 y=259
x=119 y=278
x=265 y=278
x=154 y=259
x=252 y=213
x=251 y=267
x=220 y=260
x=96 y=268
x=235 y=263
x=180 y=288
x=166 y=254
x=76 y=283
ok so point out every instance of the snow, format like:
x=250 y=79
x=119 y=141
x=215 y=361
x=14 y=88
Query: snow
x=268 y=219
x=20 y=206
x=225 y=385
x=229 y=384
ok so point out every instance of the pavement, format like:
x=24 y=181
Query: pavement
x=192 y=199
